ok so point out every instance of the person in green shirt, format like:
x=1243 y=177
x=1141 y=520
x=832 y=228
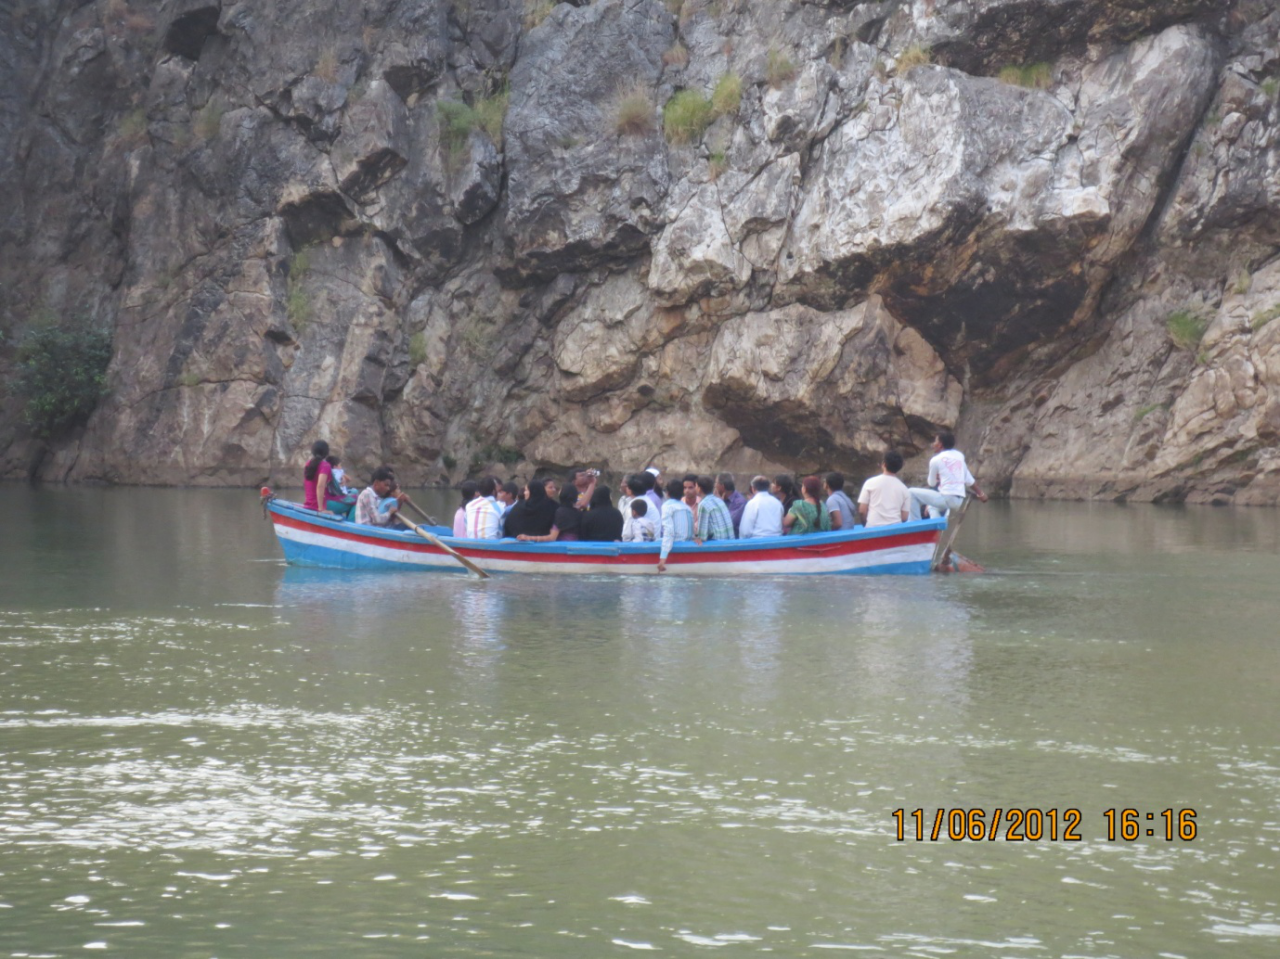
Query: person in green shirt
x=808 y=514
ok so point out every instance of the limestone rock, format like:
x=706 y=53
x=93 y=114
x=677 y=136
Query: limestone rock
x=579 y=192
x=305 y=221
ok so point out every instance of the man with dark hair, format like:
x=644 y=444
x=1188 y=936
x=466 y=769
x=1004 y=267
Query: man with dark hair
x=714 y=521
x=483 y=518
x=763 y=515
x=843 y=513
x=727 y=490
x=506 y=497
x=948 y=472
x=884 y=499
x=381 y=485
x=690 y=484
x=677 y=521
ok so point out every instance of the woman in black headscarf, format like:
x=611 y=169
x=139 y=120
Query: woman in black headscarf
x=565 y=520
x=602 y=523
x=532 y=516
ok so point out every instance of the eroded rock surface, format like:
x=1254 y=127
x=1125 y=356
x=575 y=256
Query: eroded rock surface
x=457 y=236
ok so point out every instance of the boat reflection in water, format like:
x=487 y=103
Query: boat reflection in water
x=874 y=637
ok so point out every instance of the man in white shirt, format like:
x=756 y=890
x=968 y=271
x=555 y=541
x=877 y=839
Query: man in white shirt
x=763 y=513
x=948 y=472
x=677 y=521
x=885 y=499
x=483 y=517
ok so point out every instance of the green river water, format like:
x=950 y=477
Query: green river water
x=206 y=754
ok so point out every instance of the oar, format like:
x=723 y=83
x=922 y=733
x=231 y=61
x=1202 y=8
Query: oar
x=949 y=535
x=435 y=541
x=422 y=512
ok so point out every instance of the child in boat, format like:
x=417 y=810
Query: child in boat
x=339 y=474
x=642 y=528
x=337 y=497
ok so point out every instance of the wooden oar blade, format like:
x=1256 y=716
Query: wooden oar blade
x=437 y=542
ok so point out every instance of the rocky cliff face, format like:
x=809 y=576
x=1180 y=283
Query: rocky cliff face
x=711 y=233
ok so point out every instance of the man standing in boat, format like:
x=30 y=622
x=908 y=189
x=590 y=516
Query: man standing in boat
x=947 y=472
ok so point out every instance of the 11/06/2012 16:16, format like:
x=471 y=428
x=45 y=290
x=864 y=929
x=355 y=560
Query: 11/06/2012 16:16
x=1033 y=824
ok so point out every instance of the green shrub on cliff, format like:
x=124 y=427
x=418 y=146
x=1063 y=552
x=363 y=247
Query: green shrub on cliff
x=911 y=58
x=779 y=68
x=62 y=373
x=1186 y=327
x=1036 y=76
x=1266 y=316
x=727 y=96
x=458 y=120
x=297 y=303
x=686 y=116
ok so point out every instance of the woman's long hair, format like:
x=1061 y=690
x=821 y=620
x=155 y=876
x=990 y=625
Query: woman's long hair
x=537 y=490
x=812 y=487
x=319 y=450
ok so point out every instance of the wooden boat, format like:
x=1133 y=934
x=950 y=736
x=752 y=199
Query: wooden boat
x=311 y=538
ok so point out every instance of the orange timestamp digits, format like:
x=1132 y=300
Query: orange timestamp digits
x=1013 y=825
x=1033 y=824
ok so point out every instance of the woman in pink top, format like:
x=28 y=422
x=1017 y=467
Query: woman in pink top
x=315 y=476
x=470 y=489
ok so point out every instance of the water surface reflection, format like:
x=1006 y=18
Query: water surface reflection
x=223 y=756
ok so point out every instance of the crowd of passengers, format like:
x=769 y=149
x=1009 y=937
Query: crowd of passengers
x=695 y=508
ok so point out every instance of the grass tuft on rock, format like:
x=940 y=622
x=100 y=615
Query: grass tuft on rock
x=1186 y=328
x=912 y=57
x=326 y=67
x=491 y=113
x=677 y=55
x=536 y=11
x=779 y=68
x=1034 y=76
x=686 y=116
x=417 y=348
x=1262 y=319
x=727 y=96
x=459 y=120
x=633 y=111
x=297 y=303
